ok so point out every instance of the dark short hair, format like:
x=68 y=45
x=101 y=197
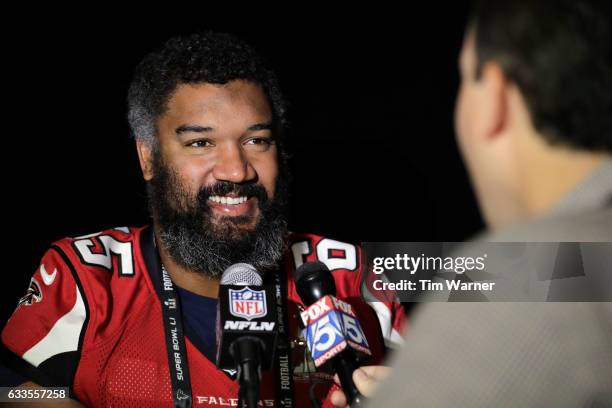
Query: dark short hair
x=558 y=53
x=209 y=57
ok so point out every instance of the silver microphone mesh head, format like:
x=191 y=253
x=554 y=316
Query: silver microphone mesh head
x=241 y=274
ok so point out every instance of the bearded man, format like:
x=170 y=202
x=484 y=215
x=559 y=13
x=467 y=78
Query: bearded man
x=208 y=117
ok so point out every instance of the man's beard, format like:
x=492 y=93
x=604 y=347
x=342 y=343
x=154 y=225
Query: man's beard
x=197 y=242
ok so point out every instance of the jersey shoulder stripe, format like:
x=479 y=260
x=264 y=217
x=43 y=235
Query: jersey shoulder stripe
x=46 y=331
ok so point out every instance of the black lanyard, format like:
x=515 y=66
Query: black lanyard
x=282 y=363
x=175 y=343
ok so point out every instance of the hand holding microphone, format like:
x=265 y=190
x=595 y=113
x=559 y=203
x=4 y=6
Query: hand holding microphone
x=366 y=379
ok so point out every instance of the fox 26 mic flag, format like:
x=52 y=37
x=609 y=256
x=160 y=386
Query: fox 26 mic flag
x=330 y=327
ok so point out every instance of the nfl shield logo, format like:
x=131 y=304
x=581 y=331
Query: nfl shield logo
x=248 y=303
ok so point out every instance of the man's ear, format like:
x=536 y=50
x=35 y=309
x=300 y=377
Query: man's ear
x=494 y=108
x=145 y=157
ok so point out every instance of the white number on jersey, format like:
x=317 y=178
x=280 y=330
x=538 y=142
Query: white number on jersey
x=334 y=254
x=112 y=247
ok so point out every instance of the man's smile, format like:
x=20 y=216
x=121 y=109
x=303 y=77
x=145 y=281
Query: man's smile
x=232 y=205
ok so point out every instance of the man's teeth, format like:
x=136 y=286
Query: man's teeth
x=228 y=200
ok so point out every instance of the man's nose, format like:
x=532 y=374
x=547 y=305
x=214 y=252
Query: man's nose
x=232 y=165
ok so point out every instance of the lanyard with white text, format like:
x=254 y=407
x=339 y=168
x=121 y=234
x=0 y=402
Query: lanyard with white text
x=282 y=363
x=175 y=343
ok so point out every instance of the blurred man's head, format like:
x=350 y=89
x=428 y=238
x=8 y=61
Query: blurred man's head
x=207 y=115
x=534 y=112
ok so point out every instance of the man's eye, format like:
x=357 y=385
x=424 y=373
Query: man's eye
x=260 y=141
x=199 y=143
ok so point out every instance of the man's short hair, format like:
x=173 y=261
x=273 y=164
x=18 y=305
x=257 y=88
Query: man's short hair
x=214 y=58
x=558 y=53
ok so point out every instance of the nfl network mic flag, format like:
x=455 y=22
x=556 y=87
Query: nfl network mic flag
x=245 y=311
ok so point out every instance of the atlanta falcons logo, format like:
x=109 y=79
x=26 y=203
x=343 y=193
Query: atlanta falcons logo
x=33 y=294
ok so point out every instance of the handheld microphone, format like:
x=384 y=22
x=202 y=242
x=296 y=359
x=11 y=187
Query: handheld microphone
x=332 y=331
x=246 y=328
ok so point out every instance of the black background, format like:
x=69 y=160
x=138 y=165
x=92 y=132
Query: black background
x=371 y=89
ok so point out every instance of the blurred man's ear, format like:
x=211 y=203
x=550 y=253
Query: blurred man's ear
x=145 y=157
x=494 y=107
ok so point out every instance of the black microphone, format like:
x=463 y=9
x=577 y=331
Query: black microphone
x=246 y=329
x=332 y=331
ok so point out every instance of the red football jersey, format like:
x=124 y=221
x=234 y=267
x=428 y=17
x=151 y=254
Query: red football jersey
x=92 y=320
